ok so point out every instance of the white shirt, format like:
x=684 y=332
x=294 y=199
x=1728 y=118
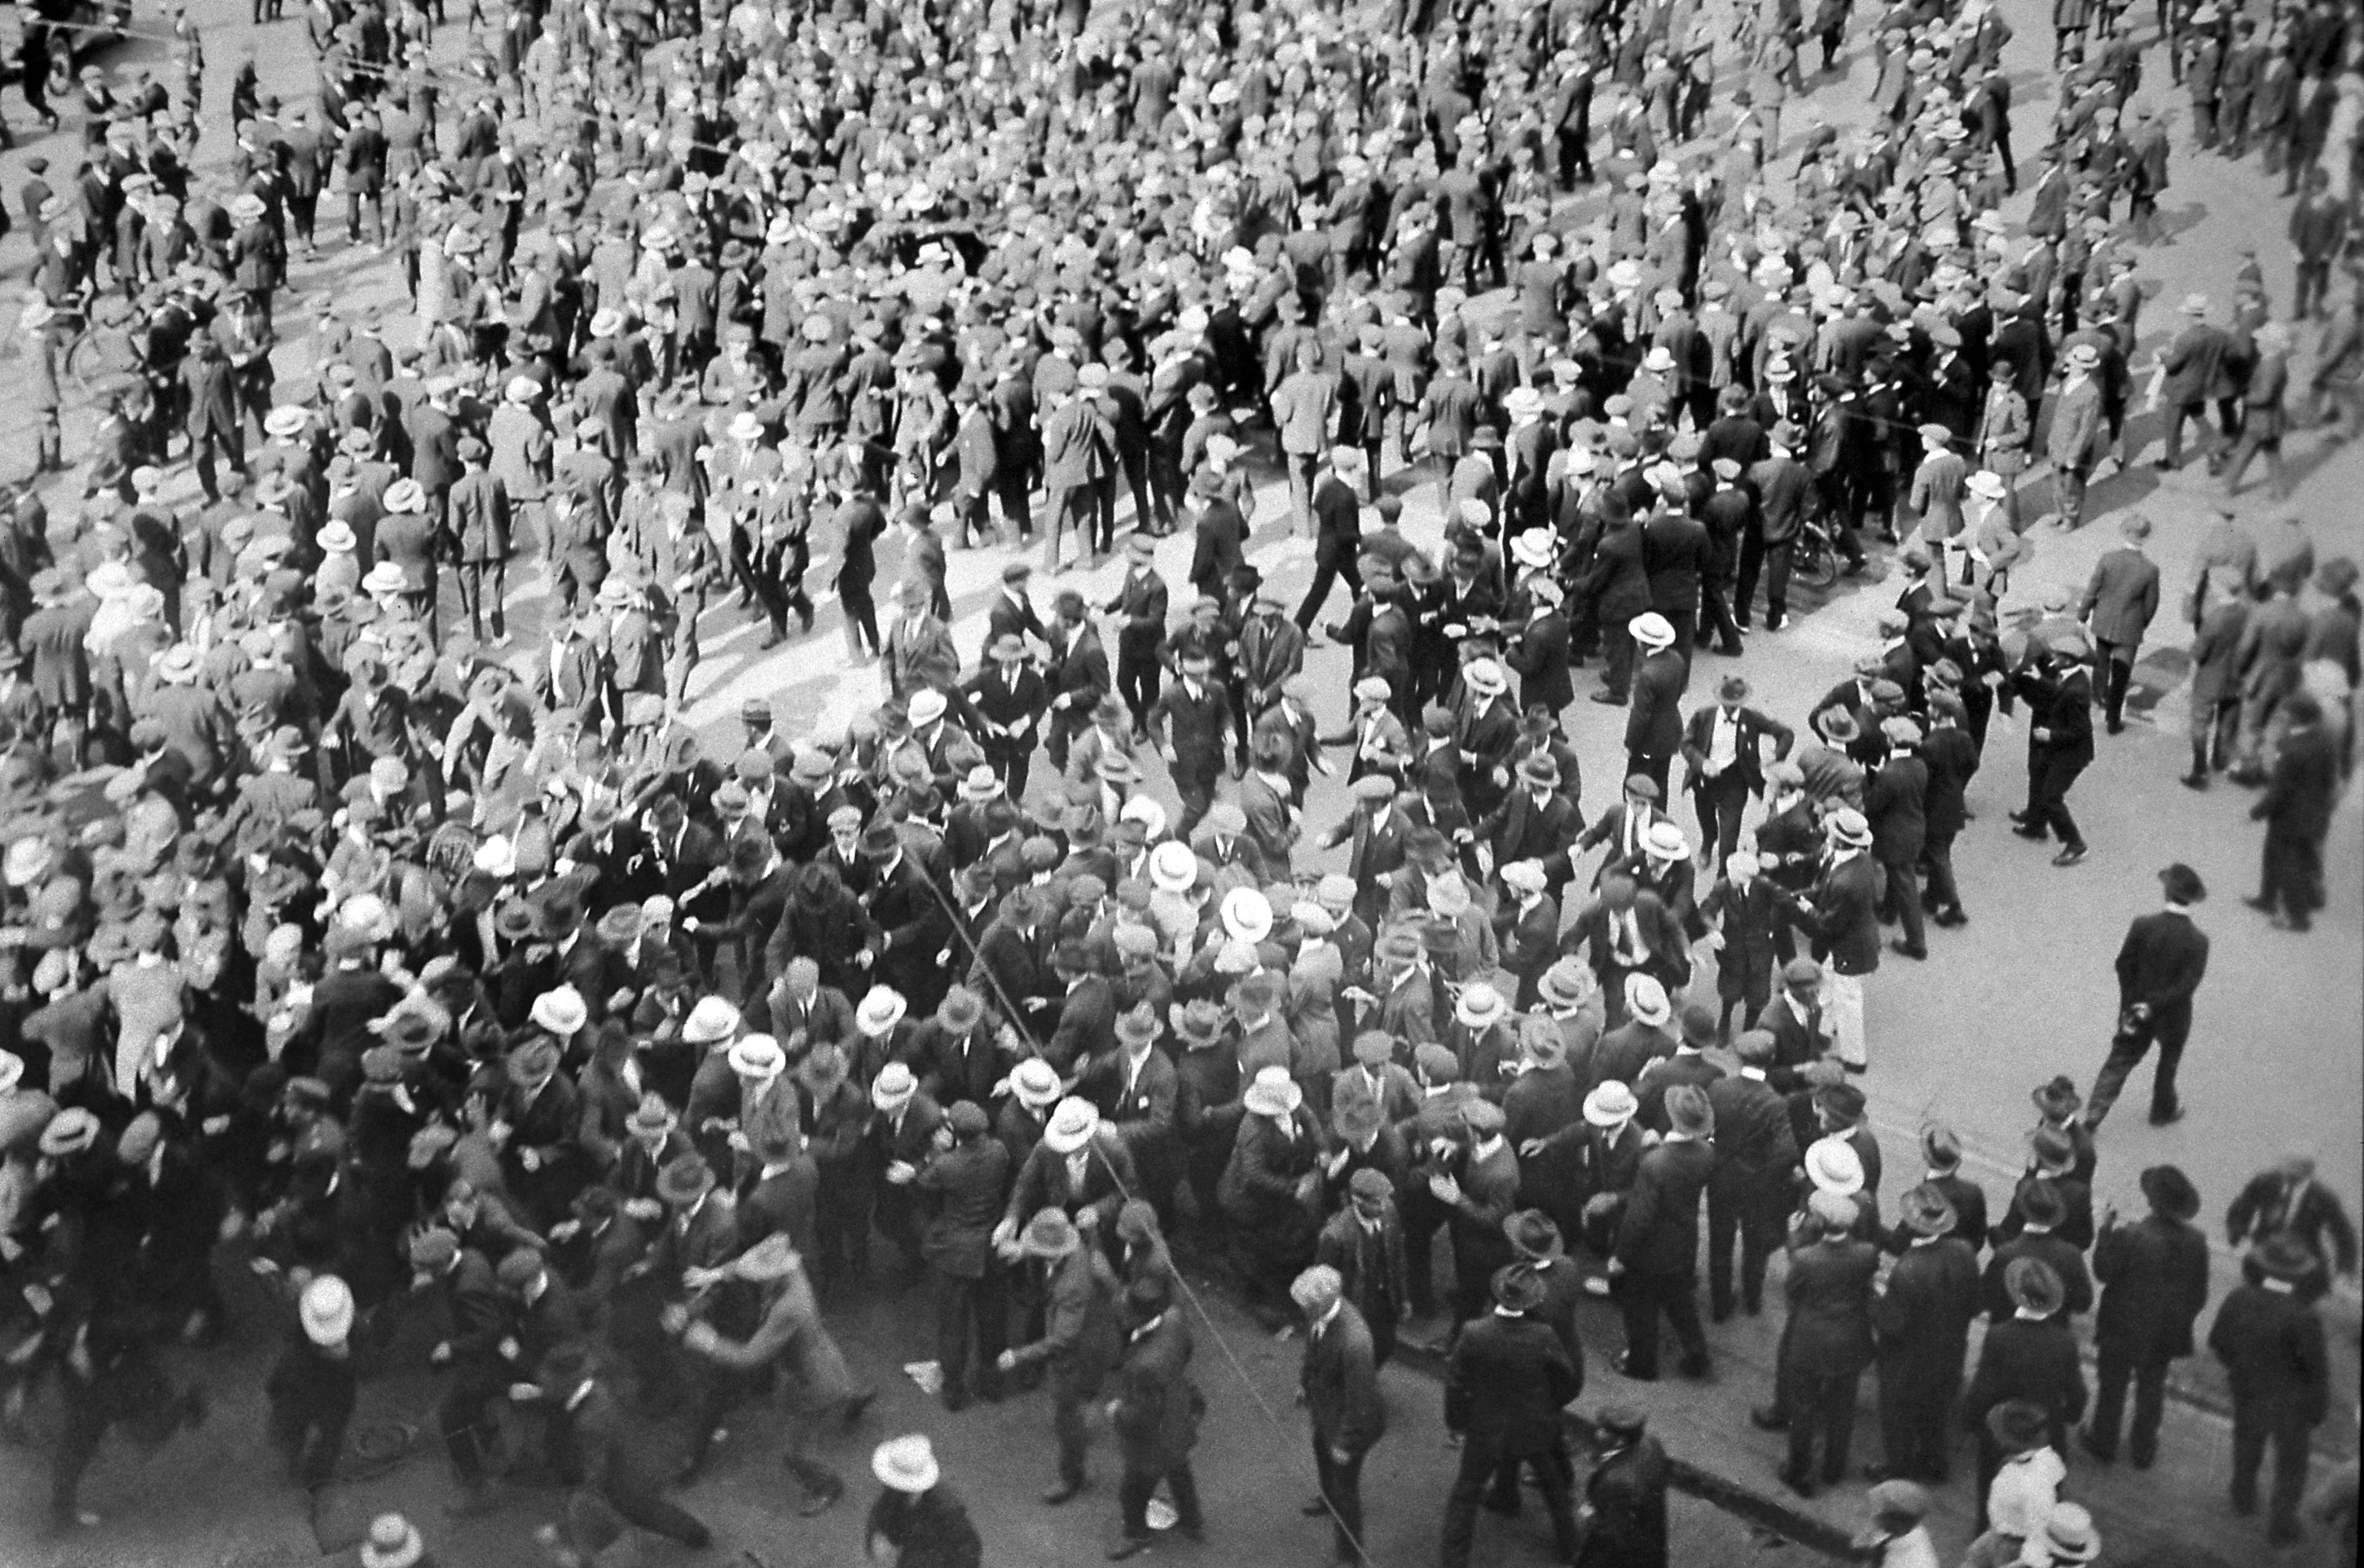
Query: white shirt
x=1723 y=740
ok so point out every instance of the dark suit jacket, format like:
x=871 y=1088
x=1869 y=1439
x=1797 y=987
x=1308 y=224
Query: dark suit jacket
x=1654 y=719
x=1843 y=919
x=1340 y=1383
x=2024 y=1360
x=2153 y=1276
x=1506 y=1385
x=1923 y=1315
x=1748 y=763
x=2273 y=1350
x=1829 y=1291
x=1659 y=1234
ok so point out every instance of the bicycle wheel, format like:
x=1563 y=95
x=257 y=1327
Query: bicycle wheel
x=1812 y=562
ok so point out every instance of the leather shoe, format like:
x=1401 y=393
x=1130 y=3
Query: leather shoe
x=2098 y=1454
x=2170 y=1119
x=1803 y=1485
x=1625 y=1369
x=1608 y=698
x=1764 y=1418
x=1129 y=1545
x=2069 y=855
x=1906 y=949
x=2034 y=831
x=2193 y=780
x=1061 y=1493
x=820 y=1499
x=1314 y=1509
x=2263 y=906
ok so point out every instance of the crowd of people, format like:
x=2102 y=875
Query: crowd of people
x=428 y=964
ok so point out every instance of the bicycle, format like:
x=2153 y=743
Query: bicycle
x=1813 y=557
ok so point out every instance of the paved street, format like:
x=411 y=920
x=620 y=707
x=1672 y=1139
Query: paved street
x=2023 y=992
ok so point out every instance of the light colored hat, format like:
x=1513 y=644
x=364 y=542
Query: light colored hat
x=1832 y=1166
x=905 y=1464
x=893 y=1087
x=1646 y=999
x=1485 y=676
x=326 y=1309
x=1071 y=1126
x=1172 y=868
x=927 y=706
x=287 y=420
x=880 y=1011
x=1247 y=916
x=1035 y=1082
x=757 y=1056
x=1848 y=826
x=712 y=1019
x=337 y=538
x=383 y=578
x=1651 y=630
x=1609 y=1104
x=406 y=495
x=1988 y=485
x=393 y=1543
x=1480 y=1006
x=1273 y=1094
x=1525 y=876
x=1665 y=841
x=561 y=1012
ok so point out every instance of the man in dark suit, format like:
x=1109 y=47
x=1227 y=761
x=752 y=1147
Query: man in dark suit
x=1613 y=591
x=1505 y=1387
x=1625 y=1496
x=1195 y=714
x=1339 y=1381
x=1842 y=920
x=1895 y=802
x=1141 y=599
x=1155 y=1415
x=2059 y=696
x=2271 y=1342
x=2287 y=1199
x=1653 y=1268
x=1009 y=699
x=1653 y=721
x=2192 y=374
x=2030 y=1387
x=1081 y=1340
x=2296 y=809
x=1364 y=1245
x=2153 y=1276
x=2161 y=963
x=1540 y=651
x=2120 y=600
x=1923 y=1321
x=1678 y=556
x=1826 y=1342
x=1747 y=1194
x=1723 y=752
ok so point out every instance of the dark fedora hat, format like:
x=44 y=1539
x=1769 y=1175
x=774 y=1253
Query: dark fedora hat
x=2170 y=1192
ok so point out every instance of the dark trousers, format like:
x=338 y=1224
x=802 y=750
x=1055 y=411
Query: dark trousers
x=483 y=584
x=1136 y=682
x=1329 y=567
x=860 y=620
x=1721 y=802
x=1916 y=1413
x=972 y=1331
x=2111 y=675
x=1640 y=1298
x=1069 y=1429
x=2215 y=730
x=1138 y=1485
x=1617 y=648
x=1196 y=788
x=1937 y=861
x=464 y=1420
x=2131 y=1043
x=2197 y=412
x=656 y=1515
x=1772 y=563
x=2252 y=1429
x=1748 y=1206
x=1821 y=1404
x=1424 y=1216
x=2313 y=285
x=1903 y=900
x=2049 y=781
x=1478 y=1463
x=2290 y=878
x=1011 y=762
x=1342 y=1488
x=2117 y=1369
